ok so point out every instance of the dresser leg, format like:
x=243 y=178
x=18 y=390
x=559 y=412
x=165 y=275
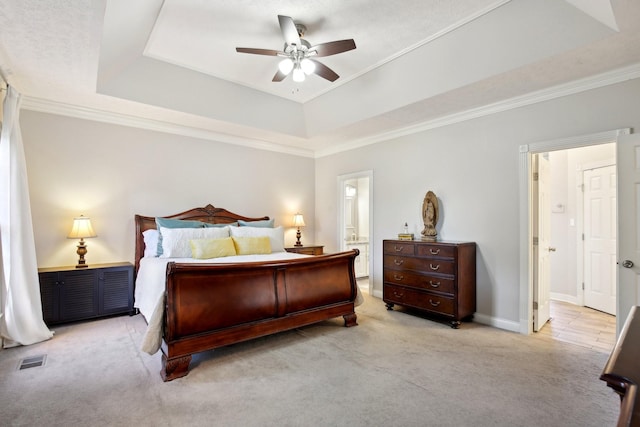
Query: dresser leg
x=455 y=324
x=389 y=305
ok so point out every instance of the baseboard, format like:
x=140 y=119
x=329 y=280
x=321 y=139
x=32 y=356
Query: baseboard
x=564 y=298
x=508 y=325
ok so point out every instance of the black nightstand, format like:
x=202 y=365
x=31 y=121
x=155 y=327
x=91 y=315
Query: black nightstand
x=307 y=250
x=69 y=294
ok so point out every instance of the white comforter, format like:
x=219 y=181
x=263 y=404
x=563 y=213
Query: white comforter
x=150 y=287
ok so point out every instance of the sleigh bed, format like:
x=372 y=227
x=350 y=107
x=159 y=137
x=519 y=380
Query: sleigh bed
x=193 y=305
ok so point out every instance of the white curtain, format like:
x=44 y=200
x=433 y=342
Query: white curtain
x=21 y=319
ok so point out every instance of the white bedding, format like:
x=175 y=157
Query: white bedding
x=150 y=287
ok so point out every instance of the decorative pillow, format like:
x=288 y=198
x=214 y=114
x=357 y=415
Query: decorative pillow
x=150 y=242
x=267 y=223
x=174 y=223
x=275 y=235
x=252 y=245
x=212 y=248
x=175 y=241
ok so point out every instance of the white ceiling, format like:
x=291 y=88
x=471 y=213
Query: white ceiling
x=171 y=65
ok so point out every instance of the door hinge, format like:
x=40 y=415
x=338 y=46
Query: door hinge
x=535 y=305
x=583 y=286
x=535 y=241
x=582 y=187
x=535 y=176
x=583 y=236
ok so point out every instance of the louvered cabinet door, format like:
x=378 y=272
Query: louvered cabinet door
x=70 y=294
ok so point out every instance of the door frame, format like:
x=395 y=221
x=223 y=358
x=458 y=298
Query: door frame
x=342 y=179
x=526 y=152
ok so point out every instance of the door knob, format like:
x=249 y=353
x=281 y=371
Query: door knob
x=552 y=249
x=627 y=263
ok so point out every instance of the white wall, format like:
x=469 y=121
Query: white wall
x=473 y=169
x=110 y=173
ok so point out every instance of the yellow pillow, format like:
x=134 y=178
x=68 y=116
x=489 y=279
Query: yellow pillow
x=252 y=245
x=212 y=248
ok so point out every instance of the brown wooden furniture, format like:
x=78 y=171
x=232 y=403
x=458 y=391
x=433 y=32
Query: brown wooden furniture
x=438 y=278
x=69 y=294
x=307 y=250
x=213 y=305
x=622 y=371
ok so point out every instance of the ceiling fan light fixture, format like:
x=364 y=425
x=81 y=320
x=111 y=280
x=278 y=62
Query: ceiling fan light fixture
x=307 y=66
x=285 y=66
x=298 y=75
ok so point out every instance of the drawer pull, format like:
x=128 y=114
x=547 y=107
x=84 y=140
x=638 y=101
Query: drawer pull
x=434 y=268
x=398 y=277
x=434 y=285
x=398 y=248
x=434 y=251
x=434 y=304
x=398 y=261
x=398 y=294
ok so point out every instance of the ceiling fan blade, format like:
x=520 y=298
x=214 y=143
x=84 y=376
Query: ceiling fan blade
x=289 y=30
x=332 y=48
x=279 y=76
x=324 y=71
x=269 y=52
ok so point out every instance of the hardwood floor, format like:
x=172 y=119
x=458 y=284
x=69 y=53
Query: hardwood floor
x=581 y=325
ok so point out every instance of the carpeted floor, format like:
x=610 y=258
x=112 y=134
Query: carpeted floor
x=394 y=369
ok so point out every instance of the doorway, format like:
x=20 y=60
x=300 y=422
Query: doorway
x=355 y=222
x=573 y=291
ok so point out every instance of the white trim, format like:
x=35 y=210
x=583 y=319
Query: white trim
x=496 y=322
x=564 y=298
x=526 y=236
x=577 y=86
x=98 y=115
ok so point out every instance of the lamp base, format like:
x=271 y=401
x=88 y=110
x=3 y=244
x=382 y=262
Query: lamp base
x=298 y=235
x=82 y=250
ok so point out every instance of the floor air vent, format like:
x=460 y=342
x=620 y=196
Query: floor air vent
x=32 y=362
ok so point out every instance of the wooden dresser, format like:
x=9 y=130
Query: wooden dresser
x=438 y=277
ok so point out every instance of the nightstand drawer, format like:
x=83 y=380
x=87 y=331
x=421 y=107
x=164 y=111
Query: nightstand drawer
x=306 y=250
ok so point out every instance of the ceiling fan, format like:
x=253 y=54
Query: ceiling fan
x=298 y=53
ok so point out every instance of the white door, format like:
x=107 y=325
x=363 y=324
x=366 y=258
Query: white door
x=628 y=162
x=600 y=238
x=542 y=230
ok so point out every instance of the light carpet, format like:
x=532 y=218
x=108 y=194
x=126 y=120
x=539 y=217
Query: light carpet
x=394 y=369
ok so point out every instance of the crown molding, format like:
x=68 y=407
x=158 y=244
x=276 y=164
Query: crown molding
x=594 y=82
x=88 y=113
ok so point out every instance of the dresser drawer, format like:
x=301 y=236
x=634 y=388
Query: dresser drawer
x=399 y=248
x=418 y=299
x=438 y=266
x=434 y=250
x=421 y=281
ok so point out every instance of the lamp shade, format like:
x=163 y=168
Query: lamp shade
x=81 y=228
x=298 y=220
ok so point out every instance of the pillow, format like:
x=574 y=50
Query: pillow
x=175 y=241
x=275 y=235
x=231 y=224
x=212 y=248
x=174 y=223
x=268 y=223
x=150 y=242
x=252 y=245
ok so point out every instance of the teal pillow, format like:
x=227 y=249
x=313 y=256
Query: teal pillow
x=174 y=223
x=268 y=223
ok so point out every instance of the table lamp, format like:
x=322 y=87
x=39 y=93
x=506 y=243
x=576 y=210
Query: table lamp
x=81 y=228
x=298 y=221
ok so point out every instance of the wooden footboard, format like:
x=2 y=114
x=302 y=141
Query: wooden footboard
x=213 y=305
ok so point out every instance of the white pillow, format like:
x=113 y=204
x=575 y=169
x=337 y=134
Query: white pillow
x=150 y=242
x=276 y=235
x=176 y=241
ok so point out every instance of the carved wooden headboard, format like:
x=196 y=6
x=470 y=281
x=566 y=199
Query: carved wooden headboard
x=208 y=214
